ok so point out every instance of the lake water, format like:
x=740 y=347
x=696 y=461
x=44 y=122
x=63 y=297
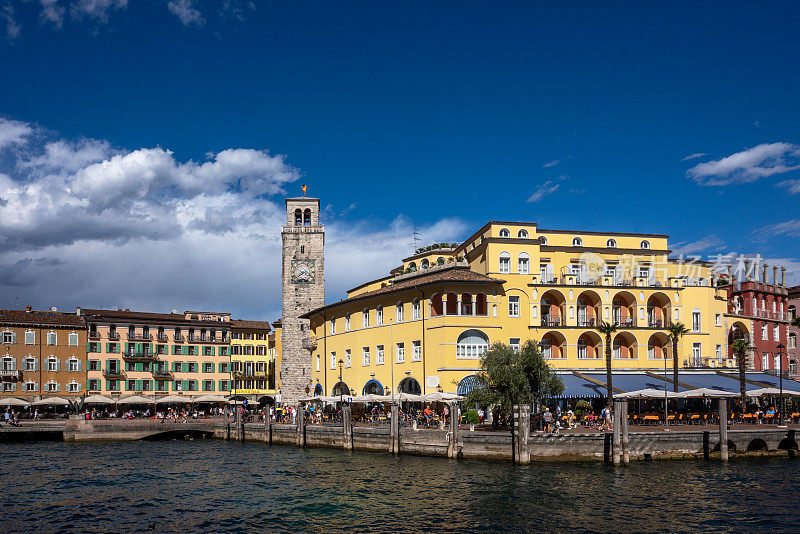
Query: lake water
x=231 y=487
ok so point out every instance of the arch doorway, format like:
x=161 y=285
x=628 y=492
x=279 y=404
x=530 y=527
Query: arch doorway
x=409 y=385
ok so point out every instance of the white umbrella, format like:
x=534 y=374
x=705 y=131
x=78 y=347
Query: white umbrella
x=648 y=393
x=12 y=401
x=322 y=398
x=174 y=399
x=209 y=398
x=772 y=392
x=442 y=397
x=370 y=397
x=704 y=393
x=136 y=399
x=409 y=397
x=51 y=401
x=97 y=399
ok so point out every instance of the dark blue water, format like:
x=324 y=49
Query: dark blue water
x=214 y=486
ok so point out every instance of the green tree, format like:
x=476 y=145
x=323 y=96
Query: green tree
x=676 y=332
x=508 y=377
x=608 y=329
x=740 y=347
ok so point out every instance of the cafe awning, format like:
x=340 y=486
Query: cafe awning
x=135 y=399
x=647 y=393
x=13 y=401
x=209 y=398
x=772 y=392
x=51 y=401
x=174 y=399
x=98 y=399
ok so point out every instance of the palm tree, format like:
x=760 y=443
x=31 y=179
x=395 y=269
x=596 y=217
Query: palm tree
x=676 y=332
x=740 y=347
x=608 y=329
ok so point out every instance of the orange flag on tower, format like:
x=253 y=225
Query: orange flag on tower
x=304 y=187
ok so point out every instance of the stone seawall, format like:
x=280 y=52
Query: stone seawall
x=452 y=443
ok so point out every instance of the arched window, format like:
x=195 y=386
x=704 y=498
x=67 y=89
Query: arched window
x=522 y=234
x=480 y=304
x=318 y=390
x=611 y=243
x=524 y=263
x=436 y=305
x=424 y=264
x=471 y=344
x=440 y=261
x=412 y=267
x=577 y=242
x=341 y=389
x=409 y=385
x=542 y=240
x=505 y=233
x=792 y=312
x=307 y=217
x=505 y=262
x=373 y=387
x=645 y=244
x=467 y=384
x=298 y=217
x=792 y=344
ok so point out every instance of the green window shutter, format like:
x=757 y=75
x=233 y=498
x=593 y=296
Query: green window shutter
x=107 y=344
x=219 y=367
x=185 y=367
x=212 y=385
x=139 y=367
x=213 y=351
x=138 y=385
x=185 y=385
x=185 y=350
x=87 y=346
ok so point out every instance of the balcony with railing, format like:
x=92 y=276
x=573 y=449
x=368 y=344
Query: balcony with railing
x=114 y=336
x=94 y=334
x=162 y=373
x=162 y=337
x=134 y=355
x=113 y=372
x=10 y=374
x=132 y=336
x=309 y=343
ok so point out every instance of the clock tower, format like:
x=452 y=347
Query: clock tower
x=303 y=285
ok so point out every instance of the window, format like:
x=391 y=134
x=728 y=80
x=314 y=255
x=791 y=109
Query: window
x=577 y=242
x=73 y=365
x=696 y=320
x=717 y=319
x=347 y=322
x=611 y=243
x=379 y=355
x=582 y=352
x=52 y=387
x=542 y=240
x=95 y=347
x=424 y=264
x=30 y=338
x=333 y=360
x=505 y=233
x=697 y=359
x=644 y=244
x=513 y=306
x=718 y=353
x=522 y=234
x=52 y=338
x=471 y=344
x=524 y=262
x=365 y=319
x=547 y=353
x=776 y=333
x=765 y=361
x=644 y=272
x=364 y=356
x=8 y=337
x=776 y=361
x=398 y=312
x=94 y=385
x=416 y=351
x=515 y=344
x=764 y=332
x=400 y=353
x=72 y=339
x=546 y=272
x=333 y=325
x=318 y=362
x=53 y=364
x=792 y=342
x=208 y=385
x=505 y=262
x=379 y=315
x=347 y=357
x=415 y=309
x=178 y=385
x=29 y=364
x=208 y=367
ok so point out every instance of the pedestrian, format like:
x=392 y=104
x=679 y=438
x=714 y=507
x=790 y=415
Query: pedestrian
x=570 y=417
x=547 y=417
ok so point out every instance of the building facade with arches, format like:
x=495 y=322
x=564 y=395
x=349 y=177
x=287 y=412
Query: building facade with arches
x=435 y=314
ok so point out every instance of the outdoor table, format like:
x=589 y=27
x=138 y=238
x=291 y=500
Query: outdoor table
x=654 y=419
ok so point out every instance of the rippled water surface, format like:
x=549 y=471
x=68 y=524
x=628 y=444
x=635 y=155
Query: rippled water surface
x=232 y=487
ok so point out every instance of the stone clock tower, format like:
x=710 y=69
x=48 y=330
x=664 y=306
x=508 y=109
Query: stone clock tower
x=303 y=285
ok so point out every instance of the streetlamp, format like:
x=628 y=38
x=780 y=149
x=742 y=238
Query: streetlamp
x=341 y=363
x=780 y=348
x=666 y=398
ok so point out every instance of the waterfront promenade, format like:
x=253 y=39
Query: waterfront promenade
x=453 y=442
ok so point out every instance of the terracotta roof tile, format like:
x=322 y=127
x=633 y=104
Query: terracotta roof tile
x=150 y=317
x=252 y=325
x=49 y=318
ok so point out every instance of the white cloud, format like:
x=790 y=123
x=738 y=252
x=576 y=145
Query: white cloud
x=694 y=156
x=96 y=9
x=789 y=228
x=551 y=164
x=52 y=13
x=12 y=28
x=83 y=223
x=186 y=12
x=709 y=242
x=13 y=132
x=543 y=190
x=749 y=165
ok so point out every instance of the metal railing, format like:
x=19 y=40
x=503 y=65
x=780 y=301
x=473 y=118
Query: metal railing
x=13 y=374
x=178 y=338
x=113 y=335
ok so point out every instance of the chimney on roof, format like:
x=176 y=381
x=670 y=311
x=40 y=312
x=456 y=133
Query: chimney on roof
x=78 y=311
x=28 y=308
x=127 y=309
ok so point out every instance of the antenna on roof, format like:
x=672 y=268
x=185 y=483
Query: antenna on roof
x=53 y=308
x=416 y=239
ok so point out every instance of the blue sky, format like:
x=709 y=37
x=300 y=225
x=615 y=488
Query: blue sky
x=440 y=115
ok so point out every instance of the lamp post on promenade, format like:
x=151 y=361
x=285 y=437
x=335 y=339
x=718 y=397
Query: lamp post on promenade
x=391 y=353
x=780 y=381
x=341 y=362
x=666 y=398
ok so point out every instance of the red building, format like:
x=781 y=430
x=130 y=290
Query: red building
x=759 y=312
x=794 y=332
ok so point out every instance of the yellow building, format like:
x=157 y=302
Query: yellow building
x=253 y=360
x=426 y=325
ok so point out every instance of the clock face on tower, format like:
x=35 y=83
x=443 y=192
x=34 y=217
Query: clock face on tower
x=303 y=271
